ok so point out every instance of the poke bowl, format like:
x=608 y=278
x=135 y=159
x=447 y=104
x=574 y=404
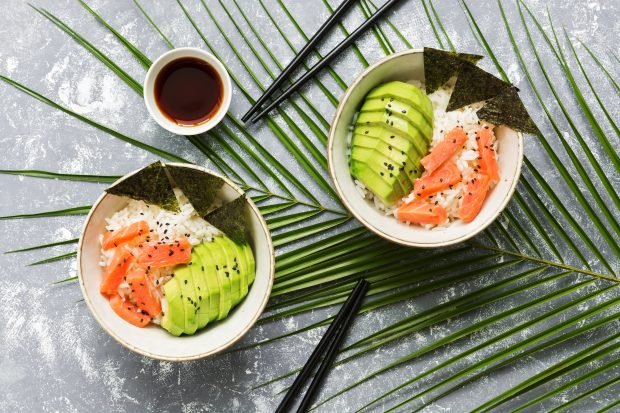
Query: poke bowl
x=423 y=158
x=175 y=262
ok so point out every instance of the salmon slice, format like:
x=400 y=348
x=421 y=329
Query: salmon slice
x=163 y=254
x=444 y=150
x=128 y=312
x=445 y=177
x=112 y=239
x=142 y=294
x=422 y=212
x=487 y=160
x=116 y=271
x=474 y=194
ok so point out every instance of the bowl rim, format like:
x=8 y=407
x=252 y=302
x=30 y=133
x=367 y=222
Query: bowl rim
x=237 y=337
x=358 y=216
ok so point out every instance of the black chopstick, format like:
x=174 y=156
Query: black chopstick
x=327 y=25
x=325 y=61
x=342 y=316
x=332 y=352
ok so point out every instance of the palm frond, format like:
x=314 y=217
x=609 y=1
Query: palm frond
x=148 y=18
x=132 y=83
x=141 y=57
x=602 y=105
x=102 y=179
x=109 y=131
x=610 y=77
x=55 y=258
x=540 y=251
x=42 y=246
x=80 y=210
x=589 y=355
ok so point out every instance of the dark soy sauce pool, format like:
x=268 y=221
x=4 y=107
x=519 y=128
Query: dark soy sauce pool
x=188 y=91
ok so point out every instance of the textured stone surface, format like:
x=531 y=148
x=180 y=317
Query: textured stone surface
x=53 y=355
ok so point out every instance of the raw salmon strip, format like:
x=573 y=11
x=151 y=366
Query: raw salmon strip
x=487 y=160
x=422 y=212
x=129 y=312
x=141 y=293
x=113 y=239
x=444 y=150
x=115 y=271
x=163 y=254
x=474 y=194
x=445 y=177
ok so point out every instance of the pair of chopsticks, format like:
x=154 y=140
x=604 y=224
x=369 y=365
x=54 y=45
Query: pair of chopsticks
x=320 y=65
x=329 y=344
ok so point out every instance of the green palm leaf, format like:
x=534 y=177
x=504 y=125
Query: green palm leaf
x=55 y=258
x=67 y=177
x=539 y=249
x=52 y=244
x=81 y=210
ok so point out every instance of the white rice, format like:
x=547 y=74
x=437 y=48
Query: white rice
x=166 y=225
x=443 y=122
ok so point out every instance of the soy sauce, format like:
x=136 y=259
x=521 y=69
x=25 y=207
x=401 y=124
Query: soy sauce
x=188 y=91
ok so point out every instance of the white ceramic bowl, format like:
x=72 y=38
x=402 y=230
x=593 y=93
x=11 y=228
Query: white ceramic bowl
x=149 y=90
x=153 y=341
x=405 y=66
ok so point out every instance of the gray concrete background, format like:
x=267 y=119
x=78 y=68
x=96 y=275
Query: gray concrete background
x=53 y=355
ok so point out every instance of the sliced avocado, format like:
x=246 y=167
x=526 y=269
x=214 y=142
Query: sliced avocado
x=395 y=139
x=230 y=255
x=220 y=260
x=240 y=266
x=402 y=110
x=202 y=291
x=392 y=123
x=387 y=193
x=390 y=148
x=249 y=255
x=406 y=158
x=183 y=275
x=173 y=319
x=388 y=169
x=213 y=285
x=406 y=93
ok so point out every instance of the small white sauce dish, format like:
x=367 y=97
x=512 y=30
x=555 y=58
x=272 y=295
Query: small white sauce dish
x=149 y=90
x=406 y=66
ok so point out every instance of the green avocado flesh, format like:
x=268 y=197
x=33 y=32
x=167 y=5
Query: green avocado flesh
x=206 y=289
x=406 y=94
x=391 y=135
x=173 y=319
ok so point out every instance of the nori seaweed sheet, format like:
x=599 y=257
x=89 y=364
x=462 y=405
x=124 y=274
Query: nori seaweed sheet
x=151 y=185
x=507 y=109
x=200 y=188
x=474 y=84
x=231 y=219
x=440 y=66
